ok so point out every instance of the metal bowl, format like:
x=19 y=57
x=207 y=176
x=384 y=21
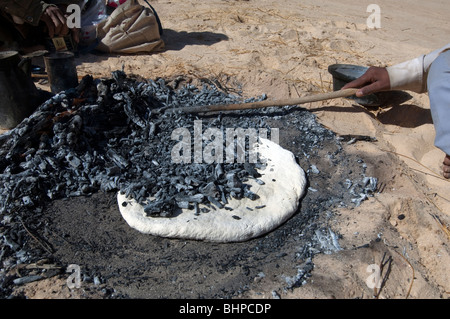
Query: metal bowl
x=345 y=73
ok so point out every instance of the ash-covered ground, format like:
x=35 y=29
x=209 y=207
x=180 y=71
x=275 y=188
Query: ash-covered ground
x=86 y=228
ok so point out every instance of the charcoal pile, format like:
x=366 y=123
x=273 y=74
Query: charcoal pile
x=113 y=134
x=109 y=135
x=106 y=136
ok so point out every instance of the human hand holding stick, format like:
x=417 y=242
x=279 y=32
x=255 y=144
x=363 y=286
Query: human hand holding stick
x=375 y=79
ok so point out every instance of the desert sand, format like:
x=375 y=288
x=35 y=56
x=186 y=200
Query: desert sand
x=283 y=49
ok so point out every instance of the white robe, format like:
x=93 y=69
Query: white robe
x=429 y=73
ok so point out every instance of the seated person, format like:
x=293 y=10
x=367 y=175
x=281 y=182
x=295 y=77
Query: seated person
x=24 y=24
x=427 y=73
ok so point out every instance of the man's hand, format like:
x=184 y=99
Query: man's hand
x=375 y=79
x=56 y=21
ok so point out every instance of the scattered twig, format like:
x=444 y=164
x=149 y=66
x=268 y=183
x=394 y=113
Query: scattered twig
x=446 y=199
x=441 y=224
x=39 y=241
x=412 y=159
x=27 y=279
x=443 y=227
x=271 y=13
x=413 y=274
x=381 y=187
x=383 y=263
x=350 y=138
x=39 y=265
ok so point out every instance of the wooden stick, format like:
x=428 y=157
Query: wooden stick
x=45 y=76
x=266 y=103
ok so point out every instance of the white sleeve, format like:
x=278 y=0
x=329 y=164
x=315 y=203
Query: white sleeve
x=412 y=75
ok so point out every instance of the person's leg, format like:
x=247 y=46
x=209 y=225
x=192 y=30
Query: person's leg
x=439 y=93
x=446 y=168
x=23 y=38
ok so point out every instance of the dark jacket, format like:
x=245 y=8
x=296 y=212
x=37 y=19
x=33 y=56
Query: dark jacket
x=29 y=10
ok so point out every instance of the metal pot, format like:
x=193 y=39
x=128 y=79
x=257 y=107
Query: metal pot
x=345 y=73
x=19 y=97
x=61 y=71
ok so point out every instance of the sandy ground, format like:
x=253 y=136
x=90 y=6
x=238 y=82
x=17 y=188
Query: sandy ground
x=283 y=49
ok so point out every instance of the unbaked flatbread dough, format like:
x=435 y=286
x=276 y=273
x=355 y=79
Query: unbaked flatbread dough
x=285 y=184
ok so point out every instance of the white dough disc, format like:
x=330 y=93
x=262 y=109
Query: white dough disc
x=279 y=197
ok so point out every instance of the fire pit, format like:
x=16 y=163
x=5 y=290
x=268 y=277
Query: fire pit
x=104 y=136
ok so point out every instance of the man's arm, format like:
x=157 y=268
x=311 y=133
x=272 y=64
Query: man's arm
x=33 y=11
x=410 y=75
x=28 y=10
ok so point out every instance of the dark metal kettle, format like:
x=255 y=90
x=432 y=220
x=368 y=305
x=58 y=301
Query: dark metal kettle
x=19 y=97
